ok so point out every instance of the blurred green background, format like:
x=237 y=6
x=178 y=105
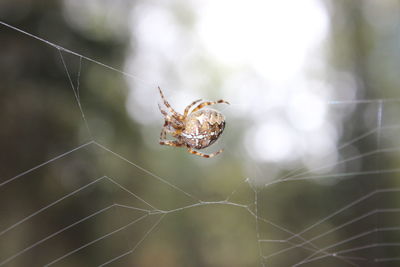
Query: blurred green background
x=314 y=92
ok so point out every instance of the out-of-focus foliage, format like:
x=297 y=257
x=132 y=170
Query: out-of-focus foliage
x=40 y=119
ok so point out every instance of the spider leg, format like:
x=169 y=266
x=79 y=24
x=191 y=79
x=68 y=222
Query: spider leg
x=176 y=114
x=202 y=105
x=185 y=113
x=163 y=133
x=171 y=143
x=177 y=124
x=162 y=111
x=190 y=150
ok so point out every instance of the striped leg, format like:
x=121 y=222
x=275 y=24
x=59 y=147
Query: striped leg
x=176 y=114
x=202 y=105
x=162 y=111
x=177 y=124
x=190 y=150
x=170 y=143
x=185 y=113
x=163 y=133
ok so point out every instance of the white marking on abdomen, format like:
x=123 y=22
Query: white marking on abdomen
x=190 y=136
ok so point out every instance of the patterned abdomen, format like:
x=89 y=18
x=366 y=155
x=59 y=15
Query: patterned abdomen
x=203 y=128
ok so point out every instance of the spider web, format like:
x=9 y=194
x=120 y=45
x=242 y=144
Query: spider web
x=131 y=214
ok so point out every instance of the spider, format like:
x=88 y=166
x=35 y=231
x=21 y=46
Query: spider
x=196 y=129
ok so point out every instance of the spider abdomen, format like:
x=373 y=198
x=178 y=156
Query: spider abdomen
x=202 y=128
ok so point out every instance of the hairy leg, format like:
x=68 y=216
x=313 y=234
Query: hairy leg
x=190 y=150
x=171 y=143
x=186 y=112
x=204 y=104
x=176 y=114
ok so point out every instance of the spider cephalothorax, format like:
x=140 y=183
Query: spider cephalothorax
x=196 y=129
